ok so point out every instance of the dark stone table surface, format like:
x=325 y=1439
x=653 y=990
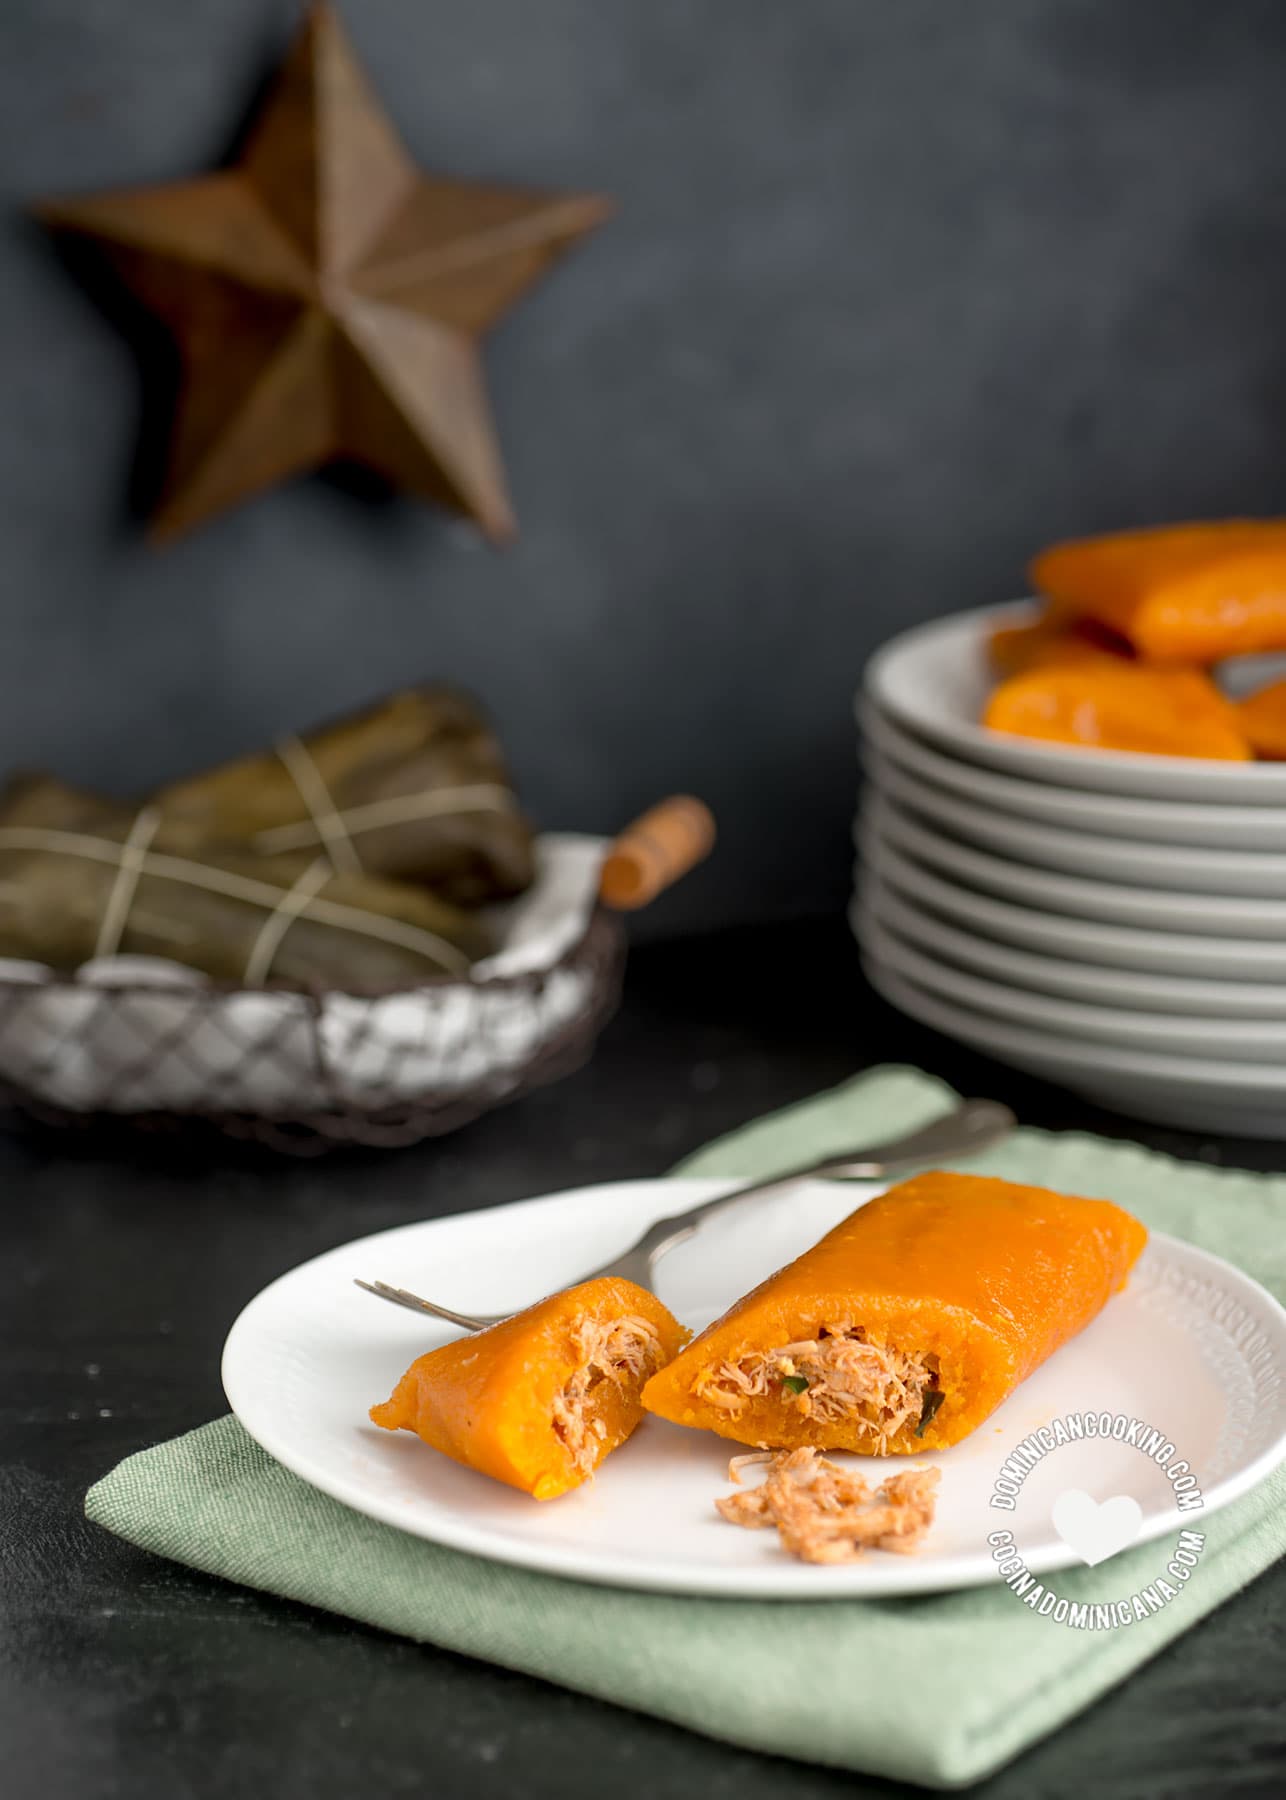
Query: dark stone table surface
x=120 y=1272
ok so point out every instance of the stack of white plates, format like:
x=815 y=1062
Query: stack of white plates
x=1115 y=923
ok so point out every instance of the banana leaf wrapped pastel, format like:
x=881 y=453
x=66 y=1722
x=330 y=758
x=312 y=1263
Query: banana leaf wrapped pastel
x=81 y=877
x=908 y=1324
x=415 y=788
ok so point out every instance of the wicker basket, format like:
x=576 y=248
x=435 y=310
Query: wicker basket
x=305 y=1072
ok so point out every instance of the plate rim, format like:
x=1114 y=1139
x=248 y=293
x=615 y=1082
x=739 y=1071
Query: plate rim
x=1124 y=772
x=887 y=945
x=1184 y=992
x=773 y=1581
x=1102 y=810
x=1120 y=945
x=1054 y=848
x=1086 y=1055
x=1053 y=891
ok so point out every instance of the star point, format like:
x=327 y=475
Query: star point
x=327 y=297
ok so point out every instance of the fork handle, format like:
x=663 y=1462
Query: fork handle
x=967 y=1128
x=417 y=1304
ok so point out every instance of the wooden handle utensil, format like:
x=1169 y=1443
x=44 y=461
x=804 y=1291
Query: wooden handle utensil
x=652 y=853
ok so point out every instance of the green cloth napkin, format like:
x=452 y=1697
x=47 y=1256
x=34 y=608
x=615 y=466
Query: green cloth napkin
x=1000 y=1678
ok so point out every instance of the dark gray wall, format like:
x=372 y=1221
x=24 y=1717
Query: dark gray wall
x=897 y=291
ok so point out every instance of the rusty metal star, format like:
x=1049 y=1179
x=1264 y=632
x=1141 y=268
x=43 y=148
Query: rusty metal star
x=327 y=298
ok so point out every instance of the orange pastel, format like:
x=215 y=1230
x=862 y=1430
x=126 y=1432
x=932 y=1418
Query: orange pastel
x=1049 y=641
x=1121 y=706
x=1263 y=719
x=1193 y=593
x=909 y=1323
x=539 y=1400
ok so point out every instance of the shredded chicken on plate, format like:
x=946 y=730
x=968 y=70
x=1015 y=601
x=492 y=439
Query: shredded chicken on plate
x=835 y=1376
x=624 y=1351
x=826 y=1514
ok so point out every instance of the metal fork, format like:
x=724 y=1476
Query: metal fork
x=971 y=1126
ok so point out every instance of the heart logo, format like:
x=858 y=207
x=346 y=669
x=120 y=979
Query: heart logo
x=1096 y=1531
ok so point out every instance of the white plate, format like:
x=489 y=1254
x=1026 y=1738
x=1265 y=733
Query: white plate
x=1114 y=815
x=1256 y=1040
x=307 y=1358
x=1243 y=1099
x=1110 y=902
x=1095 y=984
x=1223 y=873
x=934 y=680
x=1165 y=952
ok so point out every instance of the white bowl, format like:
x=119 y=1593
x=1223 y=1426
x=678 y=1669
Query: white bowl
x=1077 y=940
x=1110 y=902
x=1239 y=1040
x=1198 y=1094
x=1218 y=827
x=934 y=681
x=1091 y=983
x=1183 y=868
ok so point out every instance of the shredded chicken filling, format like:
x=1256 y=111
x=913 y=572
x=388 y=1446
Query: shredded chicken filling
x=826 y=1514
x=625 y=1352
x=836 y=1377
